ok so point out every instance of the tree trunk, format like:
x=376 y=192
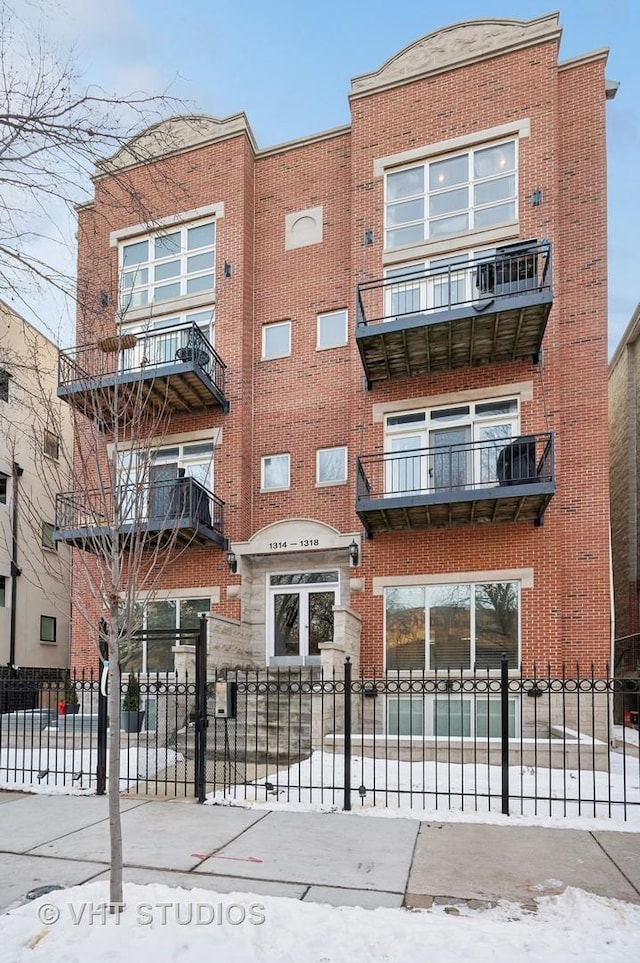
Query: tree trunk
x=115 y=827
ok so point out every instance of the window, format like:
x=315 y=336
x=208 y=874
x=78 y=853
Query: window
x=147 y=481
x=51 y=445
x=276 y=340
x=452 y=626
x=433 y=285
x=3 y=591
x=275 y=472
x=168 y=265
x=4 y=385
x=453 y=447
x=160 y=340
x=154 y=654
x=47 y=628
x=3 y=488
x=451 y=195
x=331 y=466
x=449 y=715
x=332 y=329
x=47 y=536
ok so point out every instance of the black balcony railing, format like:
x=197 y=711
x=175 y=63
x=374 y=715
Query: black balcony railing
x=457 y=483
x=177 y=364
x=178 y=509
x=457 y=313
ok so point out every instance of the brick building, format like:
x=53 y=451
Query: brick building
x=624 y=397
x=383 y=347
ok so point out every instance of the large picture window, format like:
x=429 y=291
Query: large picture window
x=452 y=626
x=449 y=716
x=147 y=653
x=451 y=195
x=167 y=265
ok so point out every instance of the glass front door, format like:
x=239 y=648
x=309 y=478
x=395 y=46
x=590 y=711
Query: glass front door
x=300 y=616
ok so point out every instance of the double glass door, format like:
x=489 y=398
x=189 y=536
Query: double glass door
x=300 y=616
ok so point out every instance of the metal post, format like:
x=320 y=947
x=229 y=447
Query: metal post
x=101 y=765
x=504 y=718
x=347 y=735
x=201 y=711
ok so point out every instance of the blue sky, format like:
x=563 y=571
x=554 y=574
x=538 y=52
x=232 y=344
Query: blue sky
x=288 y=65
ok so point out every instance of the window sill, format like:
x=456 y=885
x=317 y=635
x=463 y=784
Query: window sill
x=332 y=347
x=276 y=357
x=269 y=491
x=447 y=245
x=48 y=642
x=332 y=484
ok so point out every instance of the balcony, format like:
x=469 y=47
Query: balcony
x=178 y=511
x=455 y=314
x=506 y=480
x=174 y=369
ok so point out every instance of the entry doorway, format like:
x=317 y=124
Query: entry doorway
x=300 y=616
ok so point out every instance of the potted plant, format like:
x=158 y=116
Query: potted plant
x=69 y=704
x=131 y=716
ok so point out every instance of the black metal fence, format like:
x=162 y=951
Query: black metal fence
x=556 y=745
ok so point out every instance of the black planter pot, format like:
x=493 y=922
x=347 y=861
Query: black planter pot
x=131 y=720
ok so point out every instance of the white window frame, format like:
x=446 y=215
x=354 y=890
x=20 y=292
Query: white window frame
x=422 y=429
x=428 y=702
x=271 y=327
x=275 y=488
x=431 y=587
x=471 y=210
x=324 y=482
x=142 y=291
x=335 y=344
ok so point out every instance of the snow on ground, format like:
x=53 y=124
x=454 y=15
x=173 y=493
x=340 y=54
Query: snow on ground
x=428 y=787
x=198 y=926
x=74 y=770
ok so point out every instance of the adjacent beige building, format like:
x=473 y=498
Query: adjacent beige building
x=36 y=442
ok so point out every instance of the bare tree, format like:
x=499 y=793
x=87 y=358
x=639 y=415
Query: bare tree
x=126 y=523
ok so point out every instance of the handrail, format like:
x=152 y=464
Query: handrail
x=514 y=269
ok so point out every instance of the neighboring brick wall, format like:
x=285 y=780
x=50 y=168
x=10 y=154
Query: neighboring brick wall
x=317 y=399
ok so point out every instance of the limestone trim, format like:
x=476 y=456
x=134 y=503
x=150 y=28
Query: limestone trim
x=166 y=441
x=166 y=595
x=522 y=575
x=295 y=535
x=521 y=389
x=175 y=136
x=458 y=242
x=156 y=224
x=458 y=45
x=594 y=56
x=515 y=128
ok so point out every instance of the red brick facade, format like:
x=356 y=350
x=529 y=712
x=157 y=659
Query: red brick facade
x=318 y=399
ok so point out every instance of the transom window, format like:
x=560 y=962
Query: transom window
x=451 y=195
x=452 y=626
x=168 y=265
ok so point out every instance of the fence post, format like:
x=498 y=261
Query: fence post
x=200 y=760
x=504 y=734
x=101 y=764
x=347 y=735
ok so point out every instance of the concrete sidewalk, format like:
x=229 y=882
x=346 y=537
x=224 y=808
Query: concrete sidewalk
x=337 y=858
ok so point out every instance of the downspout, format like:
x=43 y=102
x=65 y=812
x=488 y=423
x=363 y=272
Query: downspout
x=17 y=472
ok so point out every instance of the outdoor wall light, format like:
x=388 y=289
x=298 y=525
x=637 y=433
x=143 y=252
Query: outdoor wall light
x=536 y=197
x=227 y=270
x=232 y=562
x=354 y=552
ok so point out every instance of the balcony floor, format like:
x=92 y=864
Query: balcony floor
x=182 y=533
x=489 y=331
x=500 y=503
x=176 y=387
